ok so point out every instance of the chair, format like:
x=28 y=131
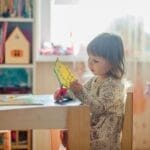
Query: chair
x=7 y=139
x=127 y=132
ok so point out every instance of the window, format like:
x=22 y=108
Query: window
x=78 y=23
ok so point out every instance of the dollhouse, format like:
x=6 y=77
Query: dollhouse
x=17 y=48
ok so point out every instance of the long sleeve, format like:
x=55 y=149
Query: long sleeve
x=102 y=97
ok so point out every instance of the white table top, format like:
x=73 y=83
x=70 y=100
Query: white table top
x=30 y=101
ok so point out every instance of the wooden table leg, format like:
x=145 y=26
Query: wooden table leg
x=79 y=128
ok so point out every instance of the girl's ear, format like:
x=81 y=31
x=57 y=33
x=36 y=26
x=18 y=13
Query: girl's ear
x=110 y=66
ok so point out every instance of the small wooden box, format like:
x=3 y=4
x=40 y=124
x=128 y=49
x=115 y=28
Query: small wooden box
x=17 y=48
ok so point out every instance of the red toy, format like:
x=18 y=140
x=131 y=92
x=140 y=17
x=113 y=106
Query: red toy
x=62 y=92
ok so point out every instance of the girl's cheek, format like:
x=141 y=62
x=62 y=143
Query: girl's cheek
x=89 y=64
x=90 y=67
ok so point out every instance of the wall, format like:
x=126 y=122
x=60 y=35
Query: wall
x=46 y=82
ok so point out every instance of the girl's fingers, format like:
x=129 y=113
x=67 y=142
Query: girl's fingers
x=57 y=95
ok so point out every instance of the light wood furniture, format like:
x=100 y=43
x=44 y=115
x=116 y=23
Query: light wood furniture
x=7 y=140
x=26 y=23
x=127 y=133
x=23 y=140
x=74 y=118
x=27 y=26
x=55 y=138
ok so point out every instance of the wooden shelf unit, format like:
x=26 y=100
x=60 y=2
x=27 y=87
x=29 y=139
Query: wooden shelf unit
x=23 y=140
x=27 y=25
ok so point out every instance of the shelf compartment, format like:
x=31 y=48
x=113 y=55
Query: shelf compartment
x=16 y=80
x=21 y=139
x=8 y=28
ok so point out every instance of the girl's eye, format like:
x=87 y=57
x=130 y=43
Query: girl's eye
x=95 y=61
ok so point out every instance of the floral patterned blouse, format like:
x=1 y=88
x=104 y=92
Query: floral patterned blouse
x=106 y=100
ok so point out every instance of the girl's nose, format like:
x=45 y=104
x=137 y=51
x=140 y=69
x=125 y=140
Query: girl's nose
x=90 y=65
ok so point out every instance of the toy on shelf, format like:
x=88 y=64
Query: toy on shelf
x=15 y=81
x=17 y=48
x=54 y=49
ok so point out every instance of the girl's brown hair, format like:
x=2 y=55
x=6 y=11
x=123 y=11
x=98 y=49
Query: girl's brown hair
x=110 y=47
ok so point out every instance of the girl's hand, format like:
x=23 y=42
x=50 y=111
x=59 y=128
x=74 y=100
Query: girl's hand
x=60 y=93
x=76 y=87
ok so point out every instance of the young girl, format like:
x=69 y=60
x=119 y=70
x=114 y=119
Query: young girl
x=105 y=92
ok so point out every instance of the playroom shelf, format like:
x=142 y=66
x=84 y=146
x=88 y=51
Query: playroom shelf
x=65 y=58
x=16 y=66
x=25 y=22
x=20 y=140
x=16 y=20
x=20 y=76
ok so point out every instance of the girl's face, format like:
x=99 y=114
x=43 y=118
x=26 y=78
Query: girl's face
x=98 y=65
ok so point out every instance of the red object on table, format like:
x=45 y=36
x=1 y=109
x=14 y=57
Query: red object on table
x=62 y=91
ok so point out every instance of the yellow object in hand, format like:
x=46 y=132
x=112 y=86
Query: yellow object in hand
x=64 y=74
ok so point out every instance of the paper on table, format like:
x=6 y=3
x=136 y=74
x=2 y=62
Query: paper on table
x=23 y=100
x=18 y=100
